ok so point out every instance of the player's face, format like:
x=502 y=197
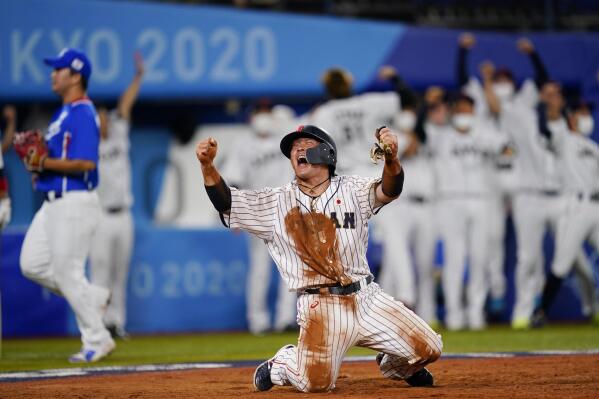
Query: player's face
x=551 y=95
x=304 y=170
x=62 y=80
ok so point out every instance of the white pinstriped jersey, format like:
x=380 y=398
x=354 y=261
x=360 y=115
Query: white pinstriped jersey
x=577 y=159
x=114 y=188
x=349 y=201
x=351 y=122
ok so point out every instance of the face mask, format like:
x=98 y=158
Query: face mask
x=504 y=91
x=405 y=121
x=586 y=125
x=463 y=121
x=262 y=123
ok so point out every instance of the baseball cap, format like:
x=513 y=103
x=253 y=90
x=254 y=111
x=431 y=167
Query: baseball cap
x=74 y=59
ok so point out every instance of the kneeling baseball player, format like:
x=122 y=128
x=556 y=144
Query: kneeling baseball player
x=316 y=230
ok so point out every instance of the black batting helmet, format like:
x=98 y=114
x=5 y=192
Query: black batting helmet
x=325 y=153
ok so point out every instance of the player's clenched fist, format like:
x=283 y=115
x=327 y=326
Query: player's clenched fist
x=387 y=140
x=206 y=151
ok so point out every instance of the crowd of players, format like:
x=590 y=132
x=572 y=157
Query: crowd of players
x=470 y=158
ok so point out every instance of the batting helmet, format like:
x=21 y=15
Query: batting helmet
x=325 y=153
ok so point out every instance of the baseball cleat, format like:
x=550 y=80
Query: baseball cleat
x=262 y=380
x=379 y=358
x=89 y=355
x=421 y=378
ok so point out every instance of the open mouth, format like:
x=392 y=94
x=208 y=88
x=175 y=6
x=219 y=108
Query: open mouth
x=302 y=160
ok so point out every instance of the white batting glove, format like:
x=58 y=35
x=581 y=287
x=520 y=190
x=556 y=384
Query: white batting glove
x=5 y=212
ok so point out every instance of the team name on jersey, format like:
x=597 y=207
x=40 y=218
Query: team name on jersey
x=54 y=127
x=349 y=220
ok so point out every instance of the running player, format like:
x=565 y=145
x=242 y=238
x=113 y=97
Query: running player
x=316 y=230
x=578 y=163
x=58 y=240
x=113 y=240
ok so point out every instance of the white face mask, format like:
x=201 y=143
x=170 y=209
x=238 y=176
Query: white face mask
x=504 y=90
x=463 y=121
x=405 y=121
x=585 y=124
x=262 y=123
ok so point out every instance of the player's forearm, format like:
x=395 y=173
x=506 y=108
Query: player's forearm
x=462 y=67
x=541 y=74
x=217 y=189
x=129 y=97
x=70 y=166
x=9 y=134
x=392 y=181
x=491 y=97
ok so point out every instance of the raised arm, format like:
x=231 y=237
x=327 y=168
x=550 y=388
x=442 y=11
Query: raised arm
x=526 y=47
x=9 y=113
x=129 y=96
x=218 y=191
x=487 y=70
x=465 y=42
x=409 y=98
x=393 y=175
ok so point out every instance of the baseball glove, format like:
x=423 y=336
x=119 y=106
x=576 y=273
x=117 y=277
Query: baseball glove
x=315 y=240
x=32 y=149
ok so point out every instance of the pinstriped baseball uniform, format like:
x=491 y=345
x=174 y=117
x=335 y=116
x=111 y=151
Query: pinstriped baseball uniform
x=331 y=324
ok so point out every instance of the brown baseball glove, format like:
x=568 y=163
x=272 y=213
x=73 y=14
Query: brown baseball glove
x=315 y=240
x=31 y=147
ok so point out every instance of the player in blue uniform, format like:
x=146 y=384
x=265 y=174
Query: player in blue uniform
x=59 y=238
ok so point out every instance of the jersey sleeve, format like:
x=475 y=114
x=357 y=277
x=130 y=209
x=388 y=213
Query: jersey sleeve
x=475 y=90
x=84 y=134
x=365 y=190
x=253 y=211
x=528 y=95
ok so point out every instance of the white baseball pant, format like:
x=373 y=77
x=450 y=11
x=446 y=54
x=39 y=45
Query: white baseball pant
x=465 y=231
x=415 y=220
x=331 y=324
x=110 y=259
x=579 y=221
x=54 y=253
x=258 y=281
x=533 y=213
x=397 y=274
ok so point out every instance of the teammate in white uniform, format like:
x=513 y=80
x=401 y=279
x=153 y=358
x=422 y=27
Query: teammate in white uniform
x=316 y=230
x=463 y=168
x=350 y=119
x=59 y=238
x=578 y=164
x=113 y=241
x=416 y=212
x=266 y=167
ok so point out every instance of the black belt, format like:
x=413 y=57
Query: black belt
x=550 y=193
x=592 y=197
x=115 y=209
x=417 y=198
x=335 y=289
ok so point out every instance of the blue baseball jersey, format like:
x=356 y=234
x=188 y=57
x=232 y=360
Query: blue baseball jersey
x=74 y=133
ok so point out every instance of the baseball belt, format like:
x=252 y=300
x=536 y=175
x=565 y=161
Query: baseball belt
x=335 y=289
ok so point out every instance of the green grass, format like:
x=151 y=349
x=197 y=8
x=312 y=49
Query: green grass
x=36 y=354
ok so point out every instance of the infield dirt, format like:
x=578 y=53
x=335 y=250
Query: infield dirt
x=515 y=377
